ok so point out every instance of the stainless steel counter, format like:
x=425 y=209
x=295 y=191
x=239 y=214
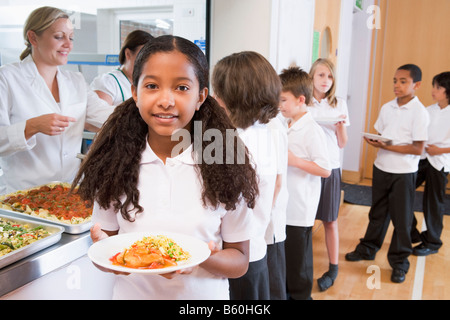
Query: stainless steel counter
x=68 y=249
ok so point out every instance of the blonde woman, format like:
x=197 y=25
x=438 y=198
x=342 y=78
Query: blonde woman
x=43 y=109
x=326 y=105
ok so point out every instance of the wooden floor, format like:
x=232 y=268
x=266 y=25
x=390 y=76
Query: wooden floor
x=428 y=277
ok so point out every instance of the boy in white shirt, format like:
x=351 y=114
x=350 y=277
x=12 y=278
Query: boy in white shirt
x=434 y=168
x=308 y=161
x=404 y=121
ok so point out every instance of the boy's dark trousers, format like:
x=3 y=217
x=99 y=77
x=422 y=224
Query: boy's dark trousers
x=299 y=262
x=433 y=204
x=392 y=199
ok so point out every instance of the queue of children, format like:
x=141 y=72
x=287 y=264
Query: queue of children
x=255 y=210
x=257 y=216
x=416 y=133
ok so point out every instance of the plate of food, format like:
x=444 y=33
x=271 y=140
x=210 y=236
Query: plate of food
x=149 y=252
x=20 y=238
x=53 y=203
x=376 y=137
x=328 y=120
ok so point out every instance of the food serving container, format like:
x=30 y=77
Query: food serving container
x=68 y=228
x=18 y=254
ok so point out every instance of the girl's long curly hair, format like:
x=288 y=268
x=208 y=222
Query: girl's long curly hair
x=109 y=174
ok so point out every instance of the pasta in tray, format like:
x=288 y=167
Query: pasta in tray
x=151 y=252
x=52 y=202
x=14 y=236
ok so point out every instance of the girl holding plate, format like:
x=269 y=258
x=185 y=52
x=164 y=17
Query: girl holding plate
x=140 y=180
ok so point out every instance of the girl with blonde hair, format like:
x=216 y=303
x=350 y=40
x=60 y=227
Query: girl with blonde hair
x=326 y=105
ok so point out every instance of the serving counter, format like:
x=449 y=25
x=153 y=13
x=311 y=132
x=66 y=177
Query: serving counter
x=54 y=267
x=60 y=272
x=67 y=250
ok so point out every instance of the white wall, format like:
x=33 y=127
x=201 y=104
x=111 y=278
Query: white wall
x=292 y=33
x=190 y=19
x=280 y=30
x=358 y=82
x=238 y=25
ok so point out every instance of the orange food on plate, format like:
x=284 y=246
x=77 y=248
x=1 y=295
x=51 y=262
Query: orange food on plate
x=152 y=252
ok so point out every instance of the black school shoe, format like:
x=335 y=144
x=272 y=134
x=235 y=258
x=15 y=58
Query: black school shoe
x=422 y=250
x=356 y=256
x=398 y=276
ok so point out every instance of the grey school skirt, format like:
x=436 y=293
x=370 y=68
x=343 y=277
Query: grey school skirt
x=330 y=197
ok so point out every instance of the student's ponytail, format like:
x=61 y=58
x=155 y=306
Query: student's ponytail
x=111 y=168
x=225 y=183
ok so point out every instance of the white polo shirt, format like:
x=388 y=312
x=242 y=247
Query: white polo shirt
x=171 y=197
x=115 y=84
x=439 y=135
x=403 y=125
x=323 y=109
x=276 y=231
x=261 y=144
x=307 y=141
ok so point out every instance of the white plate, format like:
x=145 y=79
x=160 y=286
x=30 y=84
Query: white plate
x=376 y=137
x=101 y=251
x=328 y=120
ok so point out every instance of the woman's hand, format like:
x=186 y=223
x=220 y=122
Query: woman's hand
x=52 y=124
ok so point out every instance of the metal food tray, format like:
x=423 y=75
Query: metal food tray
x=16 y=255
x=68 y=228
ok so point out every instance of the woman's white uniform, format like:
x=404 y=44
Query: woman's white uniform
x=115 y=84
x=43 y=158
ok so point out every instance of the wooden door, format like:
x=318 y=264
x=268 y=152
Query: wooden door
x=326 y=24
x=412 y=31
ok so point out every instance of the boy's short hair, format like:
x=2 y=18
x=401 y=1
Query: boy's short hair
x=443 y=80
x=298 y=82
x=414 y=71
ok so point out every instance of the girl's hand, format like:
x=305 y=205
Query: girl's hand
x=432 y=150
x=97 y=233
x=343 y=122
x=214 y=249
x=52 y=124
x=341 y=132
x=172 y=275
x=292 y=159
